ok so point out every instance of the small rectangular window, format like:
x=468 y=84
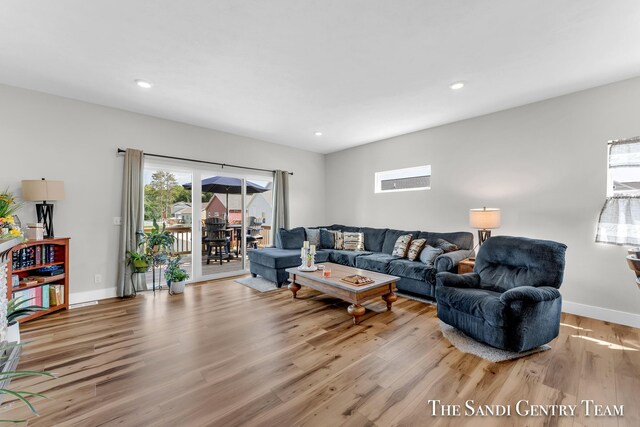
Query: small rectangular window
x=624 y=167
x=407 y=179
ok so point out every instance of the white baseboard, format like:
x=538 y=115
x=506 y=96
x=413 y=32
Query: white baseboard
x=606 y=314
x=98 y=294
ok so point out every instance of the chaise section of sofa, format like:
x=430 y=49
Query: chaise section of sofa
x=416 y=277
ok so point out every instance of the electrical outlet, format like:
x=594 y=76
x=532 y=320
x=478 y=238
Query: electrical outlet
x=117 y=220
x=97 y=279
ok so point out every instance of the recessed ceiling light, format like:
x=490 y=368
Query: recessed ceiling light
x=143 y=84
x=317 y=133
x=456 y=85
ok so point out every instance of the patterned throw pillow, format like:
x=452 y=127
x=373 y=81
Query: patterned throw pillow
x=353 y=241
x=415 y=248
x=429 y=254
x=446 y=246
x=402 y=246
x=337 y=235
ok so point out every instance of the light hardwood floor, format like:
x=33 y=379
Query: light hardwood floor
x=225 y=355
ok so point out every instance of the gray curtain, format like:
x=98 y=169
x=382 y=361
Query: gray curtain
x=280 y=204
x=132 y=213
x=619 y=222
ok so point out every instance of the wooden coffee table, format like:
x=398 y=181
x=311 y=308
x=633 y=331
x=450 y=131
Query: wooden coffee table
x=383 y=286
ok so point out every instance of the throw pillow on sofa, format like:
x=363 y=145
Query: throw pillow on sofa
x=353 y=241
x=429 y=254
x=313 y=236
x=446 y=246
x=415 y=248
x=339 y=240
x=327 y=239
x=402 y=246
x=291 y=239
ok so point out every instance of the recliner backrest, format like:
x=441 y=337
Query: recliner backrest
x=506 y=262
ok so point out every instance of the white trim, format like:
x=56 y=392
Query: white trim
x=98 y=294
x=606 y=314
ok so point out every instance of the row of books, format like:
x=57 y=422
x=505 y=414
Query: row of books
x=34 y=255
x=45 y=296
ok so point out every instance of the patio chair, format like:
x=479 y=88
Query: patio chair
x=216 y=238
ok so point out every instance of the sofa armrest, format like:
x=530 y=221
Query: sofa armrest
x=530 y=294
x=469 y=280
x=448 y=261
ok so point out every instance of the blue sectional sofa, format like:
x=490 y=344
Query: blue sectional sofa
x=416 y=277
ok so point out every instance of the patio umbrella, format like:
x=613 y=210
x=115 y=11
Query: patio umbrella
x=227 y=185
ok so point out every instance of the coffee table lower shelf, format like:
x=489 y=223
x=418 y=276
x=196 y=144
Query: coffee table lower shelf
x=383 y=286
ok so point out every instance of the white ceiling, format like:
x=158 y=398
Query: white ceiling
x=279 y=70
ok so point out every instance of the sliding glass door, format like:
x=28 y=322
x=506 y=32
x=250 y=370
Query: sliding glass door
x=215 y=216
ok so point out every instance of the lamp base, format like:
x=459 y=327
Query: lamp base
x=483 y=235
x=44 y=211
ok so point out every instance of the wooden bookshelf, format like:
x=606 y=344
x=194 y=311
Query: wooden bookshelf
x=60 y=257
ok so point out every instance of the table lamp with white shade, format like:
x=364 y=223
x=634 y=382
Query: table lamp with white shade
x=42 y=190
x=484 y=220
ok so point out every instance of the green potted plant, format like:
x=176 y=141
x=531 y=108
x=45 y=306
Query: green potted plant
x=15 y=310
x=175 y=276
x=139 y=261
x=158 y=240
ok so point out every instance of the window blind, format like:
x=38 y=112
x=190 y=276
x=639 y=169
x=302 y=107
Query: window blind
x=619 y=221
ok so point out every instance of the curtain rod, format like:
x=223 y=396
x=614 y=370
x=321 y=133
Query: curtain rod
x=120 y=150
x=624 y=141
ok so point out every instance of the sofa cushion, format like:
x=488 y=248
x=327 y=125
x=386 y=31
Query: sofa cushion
x=413 y=270
x=353 y=241
x=321 y=256
x=275 y=258
x=375 y=262
x=429 y=254
x=415 y=248
x=327 y=239
x=402 y=246
x=480 y=303
x=446 y=246
x=463 y=239
x=313 y=236
x=291 y=239
x=391 y=236
x=344 y=257
x=373 y=238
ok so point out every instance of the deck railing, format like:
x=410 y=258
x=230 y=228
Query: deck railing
x=183 y=238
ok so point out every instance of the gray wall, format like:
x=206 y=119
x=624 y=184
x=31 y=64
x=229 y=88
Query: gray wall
x=48 y=136
x=543 y=164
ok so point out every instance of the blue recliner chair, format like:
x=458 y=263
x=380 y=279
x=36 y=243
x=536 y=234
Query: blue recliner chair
x=511 y=300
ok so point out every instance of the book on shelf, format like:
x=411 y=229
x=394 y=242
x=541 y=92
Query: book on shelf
x=33 y=256
x=56 y=295
x=26 y=281
x=41 y=295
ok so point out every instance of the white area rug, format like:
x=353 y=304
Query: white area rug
x=259 y=284
x=468 y=345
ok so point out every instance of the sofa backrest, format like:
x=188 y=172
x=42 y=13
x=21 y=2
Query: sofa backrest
x=505 y=262
x=373 y=238
x=462 y=239
x=391 y=236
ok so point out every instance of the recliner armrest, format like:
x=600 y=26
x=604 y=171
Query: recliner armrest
x=469 y=280
x=447 y=262
x=530 y=294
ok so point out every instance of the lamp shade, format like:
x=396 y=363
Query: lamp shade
x=42 y=190
x=484 y=218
